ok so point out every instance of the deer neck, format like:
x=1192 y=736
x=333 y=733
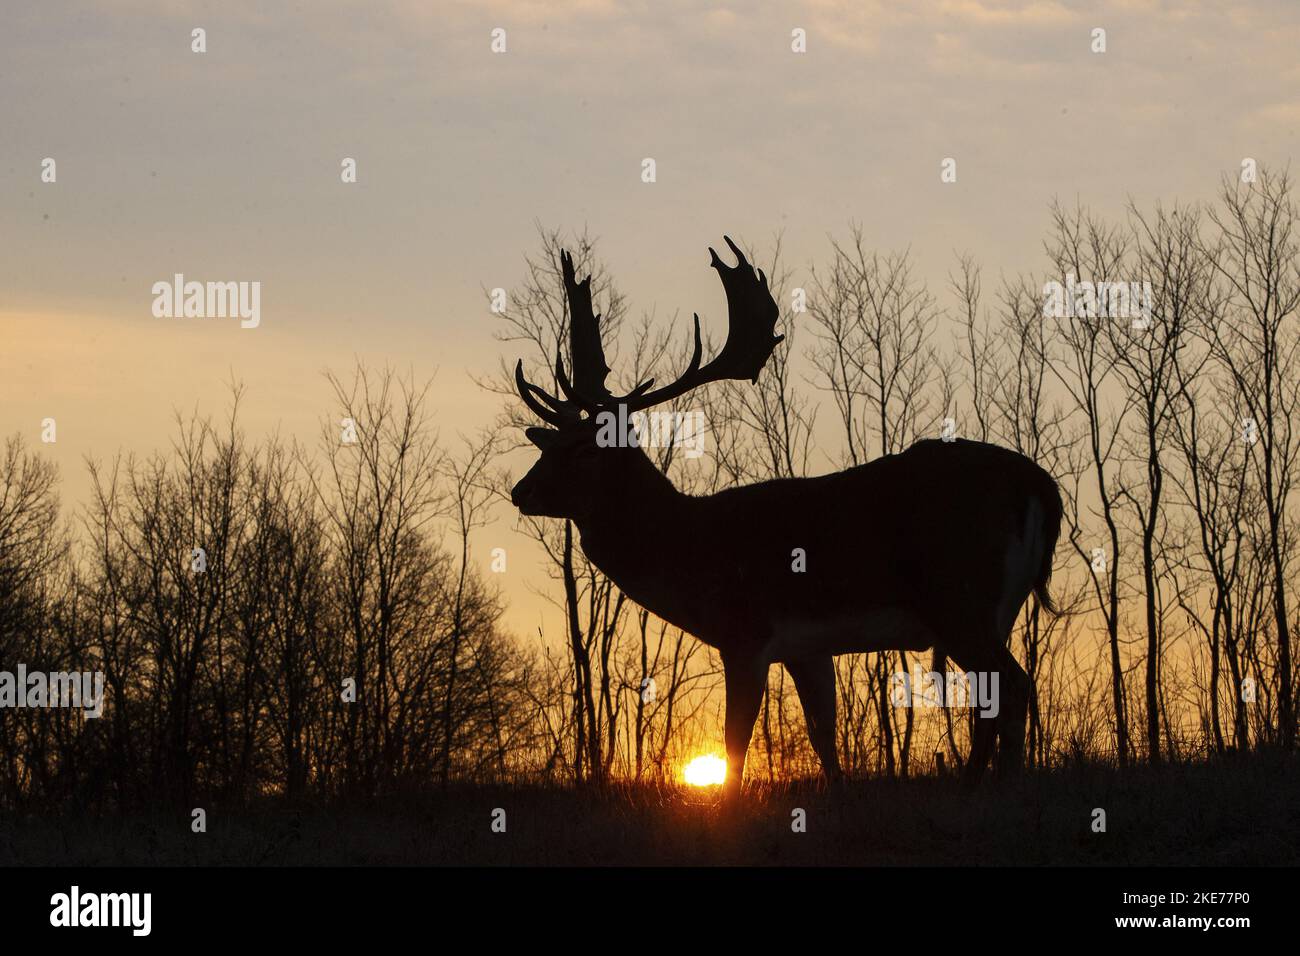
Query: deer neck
x=635 y=534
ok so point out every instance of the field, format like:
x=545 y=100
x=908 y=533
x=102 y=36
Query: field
x=1242 y=811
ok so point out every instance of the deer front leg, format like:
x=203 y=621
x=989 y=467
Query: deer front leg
x=746 y=679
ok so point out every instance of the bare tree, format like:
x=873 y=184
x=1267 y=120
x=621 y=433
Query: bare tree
x=1082 y=246
x=1256 y=341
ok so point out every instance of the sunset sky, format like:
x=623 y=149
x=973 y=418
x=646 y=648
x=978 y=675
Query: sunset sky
x=225 y=166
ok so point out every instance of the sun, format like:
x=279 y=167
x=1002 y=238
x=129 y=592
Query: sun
x=705 y=771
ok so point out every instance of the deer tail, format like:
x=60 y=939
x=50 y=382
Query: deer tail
x=1049 y=497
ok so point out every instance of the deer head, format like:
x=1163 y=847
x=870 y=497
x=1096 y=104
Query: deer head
x=577 y=472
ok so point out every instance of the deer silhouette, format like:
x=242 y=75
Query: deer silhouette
x=936 y=547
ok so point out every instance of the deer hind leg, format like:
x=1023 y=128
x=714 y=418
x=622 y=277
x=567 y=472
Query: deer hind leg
x=746 y=679
x=1006 y=715
x=1014 y=687
x=981 y=748
x=814 y=679
x=983 y=728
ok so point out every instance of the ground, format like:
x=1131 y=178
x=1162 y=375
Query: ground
x=1238 y=812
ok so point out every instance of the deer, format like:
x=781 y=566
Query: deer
x=936 y=547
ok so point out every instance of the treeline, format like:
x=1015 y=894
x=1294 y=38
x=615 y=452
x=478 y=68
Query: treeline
x=267 y=621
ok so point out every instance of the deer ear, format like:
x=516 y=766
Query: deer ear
x=543 y=438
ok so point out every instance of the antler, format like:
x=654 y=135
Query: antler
x=751 y=319
x=589 y=368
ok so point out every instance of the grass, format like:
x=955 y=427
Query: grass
x=1240 y=812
